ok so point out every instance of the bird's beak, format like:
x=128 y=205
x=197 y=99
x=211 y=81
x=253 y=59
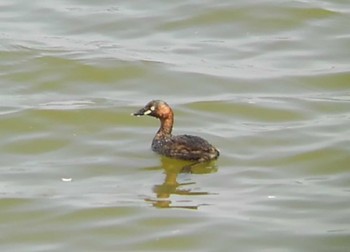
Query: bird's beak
x=142 y=112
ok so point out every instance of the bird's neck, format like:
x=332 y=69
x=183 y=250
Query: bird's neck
x=166 y=126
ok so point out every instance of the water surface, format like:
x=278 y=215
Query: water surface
x=267 y=82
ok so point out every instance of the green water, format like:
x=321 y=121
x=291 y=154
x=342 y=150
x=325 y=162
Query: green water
x=267 y=82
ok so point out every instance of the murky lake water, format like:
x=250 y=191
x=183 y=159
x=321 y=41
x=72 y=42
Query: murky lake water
x=267 y=82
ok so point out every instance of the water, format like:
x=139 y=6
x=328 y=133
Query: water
x=267 y=82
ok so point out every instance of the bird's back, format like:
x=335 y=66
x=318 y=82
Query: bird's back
x=185 y=147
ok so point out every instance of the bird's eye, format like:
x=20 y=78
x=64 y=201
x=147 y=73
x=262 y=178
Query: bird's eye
x=152 y=108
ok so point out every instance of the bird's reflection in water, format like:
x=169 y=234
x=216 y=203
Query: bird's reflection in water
x=171 y=186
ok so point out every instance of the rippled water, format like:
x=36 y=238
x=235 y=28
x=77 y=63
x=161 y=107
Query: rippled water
x=267 y=82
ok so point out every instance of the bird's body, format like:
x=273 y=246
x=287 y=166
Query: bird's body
x=185 y=147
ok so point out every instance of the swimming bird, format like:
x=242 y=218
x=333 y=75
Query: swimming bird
x=184 y=147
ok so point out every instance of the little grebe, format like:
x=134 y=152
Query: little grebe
x=183 y=147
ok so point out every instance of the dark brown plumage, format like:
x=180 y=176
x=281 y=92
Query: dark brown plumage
x=185 y=147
